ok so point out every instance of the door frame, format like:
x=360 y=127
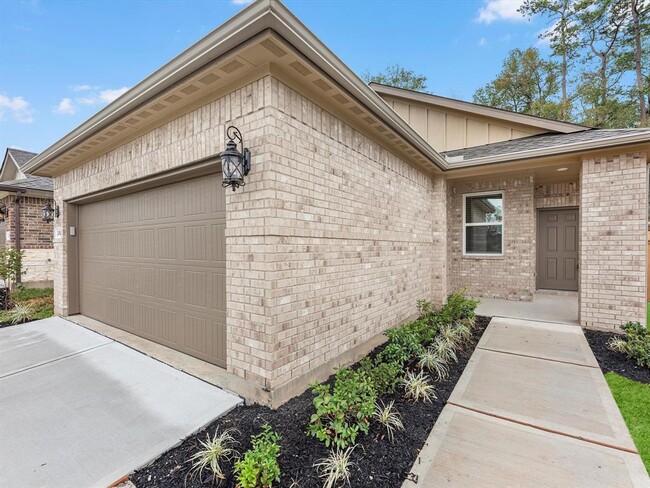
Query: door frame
x=538 y=242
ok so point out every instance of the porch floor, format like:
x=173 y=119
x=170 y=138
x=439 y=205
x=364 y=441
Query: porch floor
x=545 y=307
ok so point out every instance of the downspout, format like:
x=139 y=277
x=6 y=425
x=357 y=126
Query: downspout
x=17 y=226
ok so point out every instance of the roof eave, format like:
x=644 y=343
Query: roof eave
x=497 y=113
x=258 y=17
x=555 y=150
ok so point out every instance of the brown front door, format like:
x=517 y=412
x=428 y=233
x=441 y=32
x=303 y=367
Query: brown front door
x=557 y=249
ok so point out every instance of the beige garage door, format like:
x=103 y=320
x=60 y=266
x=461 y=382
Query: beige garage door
x=153 y=263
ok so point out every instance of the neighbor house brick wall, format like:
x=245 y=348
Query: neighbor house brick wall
x=554 y=195
x=35 y=238
x=613 y=240
x=346 y=243
x=512 y=275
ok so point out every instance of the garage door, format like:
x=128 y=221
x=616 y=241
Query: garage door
x=153 y=263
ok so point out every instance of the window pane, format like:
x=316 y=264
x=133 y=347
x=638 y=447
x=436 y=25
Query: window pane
x=486 y=208
x=483 y=239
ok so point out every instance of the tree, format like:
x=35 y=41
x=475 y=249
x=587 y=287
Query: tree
x=562 y=36
x=526 y=84
x=399 y=77
x=604 y=99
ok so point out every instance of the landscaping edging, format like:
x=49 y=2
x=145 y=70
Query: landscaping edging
x=614 y=361
x=377 y=461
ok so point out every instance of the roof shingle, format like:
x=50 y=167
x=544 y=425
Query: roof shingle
x=21 y=157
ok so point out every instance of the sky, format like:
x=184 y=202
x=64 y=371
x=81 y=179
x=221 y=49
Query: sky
x=62 y=61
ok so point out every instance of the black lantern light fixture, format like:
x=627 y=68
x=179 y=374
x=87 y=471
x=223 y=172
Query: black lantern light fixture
x=235 y=164
x=3 y=212
x=50 y=211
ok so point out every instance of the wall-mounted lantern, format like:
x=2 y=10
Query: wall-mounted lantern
x=3 y=212
x=235 y=164
x=50 y=211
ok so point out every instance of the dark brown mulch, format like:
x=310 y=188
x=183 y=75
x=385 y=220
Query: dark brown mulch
x=614 y=361
x=378 y=463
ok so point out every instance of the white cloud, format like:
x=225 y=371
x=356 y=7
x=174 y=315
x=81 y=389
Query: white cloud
x=78 y=88
x=17 y=107
x=111 y=94
x=482 y=41
x=86 y=100
x=241 y=2
x=500 y=10
x=65 y=107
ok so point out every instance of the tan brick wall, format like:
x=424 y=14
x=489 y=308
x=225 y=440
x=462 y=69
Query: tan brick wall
x=511 y=276
x=613 y=234
x=440 y=245
x=346 y=243
x=553 y=195
x=328 y=244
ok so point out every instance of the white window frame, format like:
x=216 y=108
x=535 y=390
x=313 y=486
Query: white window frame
x=479 y=224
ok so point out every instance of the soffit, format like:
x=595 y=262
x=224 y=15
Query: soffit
x=267 y=53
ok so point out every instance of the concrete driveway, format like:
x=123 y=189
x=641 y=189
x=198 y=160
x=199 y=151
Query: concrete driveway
x=79 y=409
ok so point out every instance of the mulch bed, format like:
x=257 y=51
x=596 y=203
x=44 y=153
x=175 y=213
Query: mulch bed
x=377 y=461
x=614 y=361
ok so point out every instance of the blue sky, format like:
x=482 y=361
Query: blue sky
x=60 y=62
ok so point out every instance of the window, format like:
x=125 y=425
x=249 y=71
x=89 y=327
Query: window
x=483 y=224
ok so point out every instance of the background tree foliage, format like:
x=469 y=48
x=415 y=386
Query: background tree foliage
x=598 y=73
x=400 y=77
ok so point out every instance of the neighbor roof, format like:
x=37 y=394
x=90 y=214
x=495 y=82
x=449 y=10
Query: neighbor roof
x=542 y=143
x=29 y=182
x=462 y=105
x=19 y=156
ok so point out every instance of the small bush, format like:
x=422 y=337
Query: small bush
x=335 y=468
x=389 y=417
x=214 y=451
x=417 y=387
x=431 y=361
x=259 y=467
x=407 y=342
x=458 y=307
x=444 y=349
x=20 y=313
x=635 y=345
x=384 y=377
x=22 y=293
x=344 y=411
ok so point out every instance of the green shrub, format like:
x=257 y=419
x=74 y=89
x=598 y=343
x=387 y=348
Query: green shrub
x=22 y=293
x=635 y=345
x=384 y=377
x=407 y=342
x=458 y=307
x=20 y=313
x=259 y=467
x=344 y=411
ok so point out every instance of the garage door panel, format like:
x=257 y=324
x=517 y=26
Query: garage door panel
x=153 y=263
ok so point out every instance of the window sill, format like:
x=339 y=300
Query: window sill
x=483 y=256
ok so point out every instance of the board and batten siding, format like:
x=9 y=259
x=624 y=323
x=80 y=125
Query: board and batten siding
x=446 y=129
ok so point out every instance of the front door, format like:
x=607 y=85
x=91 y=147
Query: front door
x=557 y=249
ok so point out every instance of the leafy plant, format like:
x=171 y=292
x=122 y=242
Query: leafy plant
x=635 y=344
x=424 y=307
x=20 y=313
x=462 y=331
x=431 y=361
x=405 y=343
x=344 y=411
x=10 y=267
x=259 y=467
x=335 y=468
x=389 y=417
x=417 y=387
x=444 y=349
x=384 y=377
x=214 y=451
x=458 y=307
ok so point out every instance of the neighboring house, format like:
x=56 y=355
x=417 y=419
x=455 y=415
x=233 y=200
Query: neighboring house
x=361 y=200
x=22 y=197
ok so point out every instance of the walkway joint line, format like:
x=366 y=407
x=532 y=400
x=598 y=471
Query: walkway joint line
x=536 y=357
x=544 y=429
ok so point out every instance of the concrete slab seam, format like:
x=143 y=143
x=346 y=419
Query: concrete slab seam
x=536 y=357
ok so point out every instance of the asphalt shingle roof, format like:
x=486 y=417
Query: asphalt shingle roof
x=29 y=182
x=21 y=157
x=540 y=141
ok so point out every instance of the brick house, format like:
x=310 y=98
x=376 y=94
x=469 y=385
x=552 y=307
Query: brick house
x=24 y=195
x=360 y=200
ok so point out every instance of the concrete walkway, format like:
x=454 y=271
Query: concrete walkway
x=545 y=307
x=532 y=409
x=79 y=409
